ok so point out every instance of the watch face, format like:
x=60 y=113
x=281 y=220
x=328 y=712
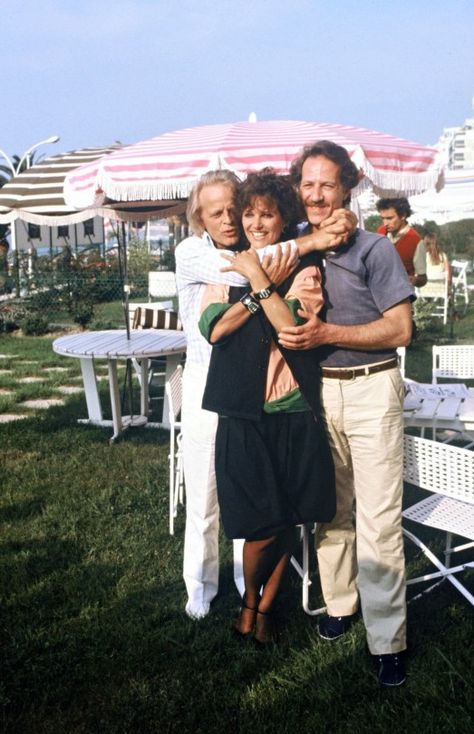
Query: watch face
x=249 y=303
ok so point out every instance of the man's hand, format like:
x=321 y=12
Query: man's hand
x=341 y=222
x=281 y=264
x=331 y=233
x=246 y=263
x=277 y=266
x=418 y=281
x=308 y=335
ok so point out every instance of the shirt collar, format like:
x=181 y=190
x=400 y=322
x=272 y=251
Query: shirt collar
x=401 y=232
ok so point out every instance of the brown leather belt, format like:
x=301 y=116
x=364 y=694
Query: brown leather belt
x=349 y=374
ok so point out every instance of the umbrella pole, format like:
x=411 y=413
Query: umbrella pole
x=122 y=255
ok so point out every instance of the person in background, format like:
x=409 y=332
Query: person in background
x=367 y=316
x=407 y=241
x=437 y=263
x=273 y=463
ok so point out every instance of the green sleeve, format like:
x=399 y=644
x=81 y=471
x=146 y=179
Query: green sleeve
x=210 y=316
x=294 y=304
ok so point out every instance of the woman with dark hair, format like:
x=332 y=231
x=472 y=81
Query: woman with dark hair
x=273 y=462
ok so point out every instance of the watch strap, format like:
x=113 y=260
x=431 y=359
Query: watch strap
x=265 y=292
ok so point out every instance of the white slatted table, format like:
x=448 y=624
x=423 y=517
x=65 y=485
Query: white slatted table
x=440 y=414
x=143 y=344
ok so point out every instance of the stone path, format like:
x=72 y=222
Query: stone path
x=39 y=403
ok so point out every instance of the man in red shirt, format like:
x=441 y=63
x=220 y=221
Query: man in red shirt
x=407 y=241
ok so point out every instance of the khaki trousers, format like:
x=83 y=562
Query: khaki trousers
x=365 y=426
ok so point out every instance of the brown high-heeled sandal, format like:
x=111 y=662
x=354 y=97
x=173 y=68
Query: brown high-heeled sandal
x=249 y=612
x=270 y=636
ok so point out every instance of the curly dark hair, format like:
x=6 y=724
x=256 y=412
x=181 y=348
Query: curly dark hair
x=277 y=189
x=348 y=173
x=401 y=206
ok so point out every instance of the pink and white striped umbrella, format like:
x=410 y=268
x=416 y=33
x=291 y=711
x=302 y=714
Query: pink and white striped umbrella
x=167 y=166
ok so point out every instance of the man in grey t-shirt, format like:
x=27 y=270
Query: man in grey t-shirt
x=367 y=316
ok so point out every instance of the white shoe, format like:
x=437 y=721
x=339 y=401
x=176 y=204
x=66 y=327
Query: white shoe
x=197 y=612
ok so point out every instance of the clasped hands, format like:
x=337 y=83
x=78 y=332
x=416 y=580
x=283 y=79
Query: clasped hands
x=330 y=234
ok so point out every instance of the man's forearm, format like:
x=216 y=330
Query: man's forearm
x=374 y=335
x=204 y=265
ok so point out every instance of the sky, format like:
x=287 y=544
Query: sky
x=97 y=71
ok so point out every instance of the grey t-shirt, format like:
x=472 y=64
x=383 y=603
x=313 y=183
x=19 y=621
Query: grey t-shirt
x=362 y=280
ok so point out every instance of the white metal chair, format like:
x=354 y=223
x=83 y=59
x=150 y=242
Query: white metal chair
x=161 y=284
x=303 y=570
x=453 y=361
x=174 y=392
x=439 y=292
x=459 y=282
x=447 y=472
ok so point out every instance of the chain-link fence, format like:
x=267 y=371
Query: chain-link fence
x=38 y=293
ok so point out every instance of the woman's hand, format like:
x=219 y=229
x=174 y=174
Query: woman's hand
x=281 y=264
x=246 y=263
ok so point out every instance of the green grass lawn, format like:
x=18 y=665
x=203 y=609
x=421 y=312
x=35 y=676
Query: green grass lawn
x=94 y=635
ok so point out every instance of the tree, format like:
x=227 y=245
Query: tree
x=373 y=222
x=457 y=238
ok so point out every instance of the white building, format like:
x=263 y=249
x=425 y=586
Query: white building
x=456 y=200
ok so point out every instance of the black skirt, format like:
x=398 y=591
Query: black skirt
x=273 y=474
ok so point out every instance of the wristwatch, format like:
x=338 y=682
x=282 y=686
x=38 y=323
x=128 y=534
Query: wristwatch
x=250 y=303
x=265 y=292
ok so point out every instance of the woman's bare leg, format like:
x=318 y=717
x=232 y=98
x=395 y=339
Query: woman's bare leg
x=264 y=562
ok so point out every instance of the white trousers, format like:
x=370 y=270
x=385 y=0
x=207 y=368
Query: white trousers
x=201 y=540
x=365 y=426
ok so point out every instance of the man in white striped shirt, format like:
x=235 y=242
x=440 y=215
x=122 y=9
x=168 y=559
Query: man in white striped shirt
x=211 y=216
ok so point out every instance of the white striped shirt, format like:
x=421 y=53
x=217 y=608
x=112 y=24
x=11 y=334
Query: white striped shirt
x=198 y=262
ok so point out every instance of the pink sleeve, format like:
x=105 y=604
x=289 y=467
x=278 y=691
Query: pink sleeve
x=214 y=293
x=306 y=287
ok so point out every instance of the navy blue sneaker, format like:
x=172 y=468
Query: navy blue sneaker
x=331 y=628
x=391 y=669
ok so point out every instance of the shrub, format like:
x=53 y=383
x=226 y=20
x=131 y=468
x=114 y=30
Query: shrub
x=34 y=324
x=425 y=319
x=82 y=312
x=10 y=316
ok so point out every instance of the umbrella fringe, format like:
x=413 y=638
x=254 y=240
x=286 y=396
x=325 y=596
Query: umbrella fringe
x=389 y=182
x=383 y=183
x=111 y=211
x=142 y=191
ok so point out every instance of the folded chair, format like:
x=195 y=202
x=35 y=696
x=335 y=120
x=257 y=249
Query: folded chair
x=460 y=288
x=402 y=355
x=155 y=316
x=161 y=284
x=174 y=393
x=448 y=473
